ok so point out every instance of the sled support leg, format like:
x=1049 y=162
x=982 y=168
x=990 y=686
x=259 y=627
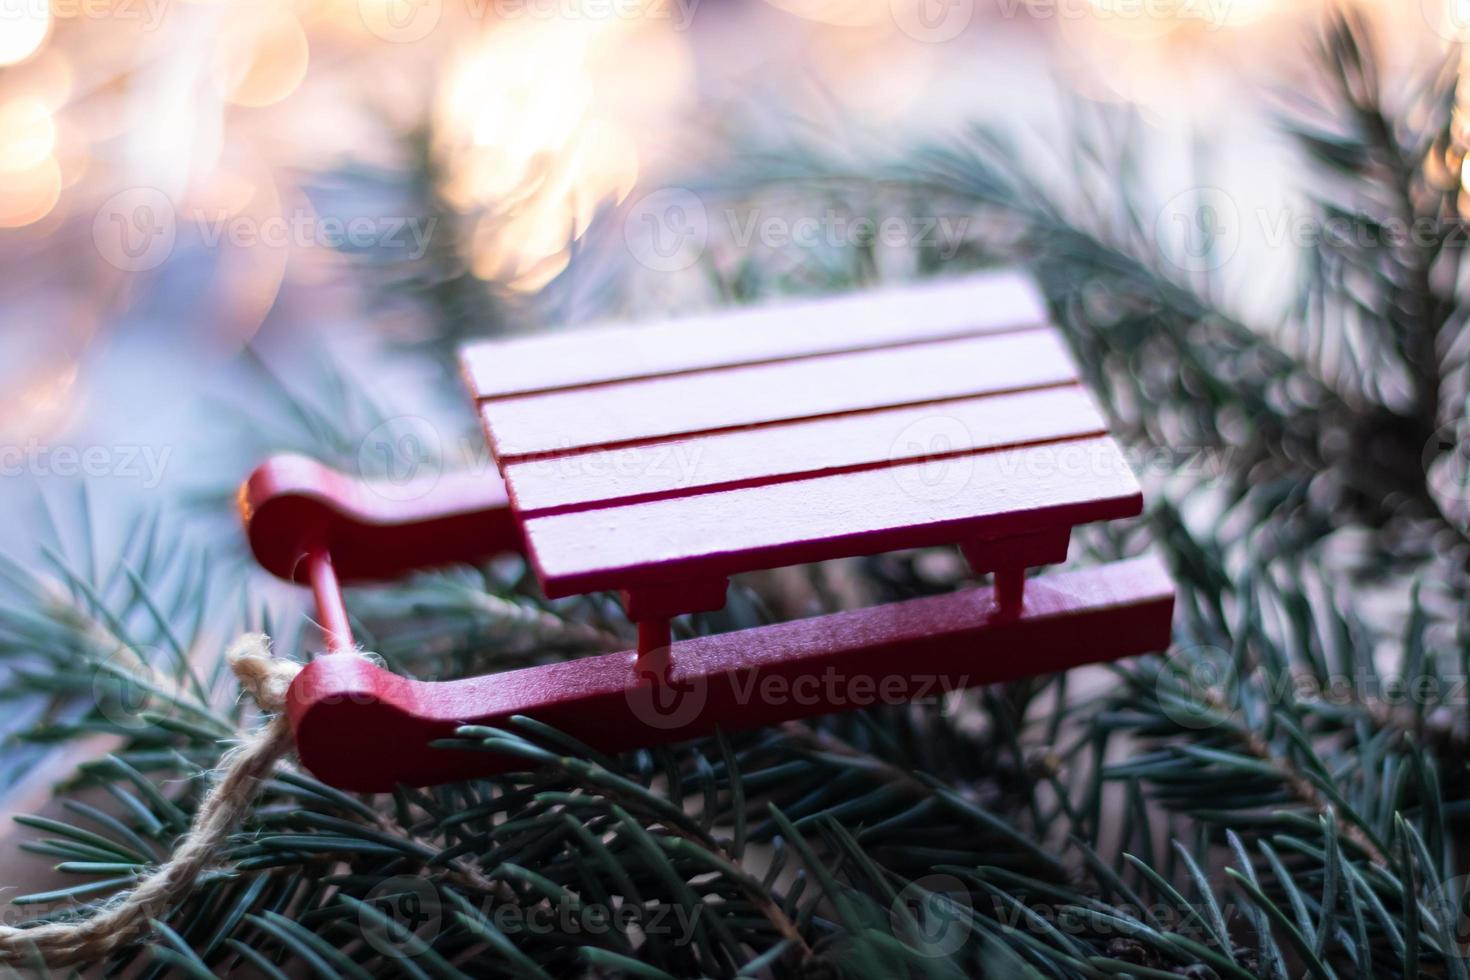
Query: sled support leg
x=362 y=728
x=651 y=607
x=331 y=610
x=1009 y=557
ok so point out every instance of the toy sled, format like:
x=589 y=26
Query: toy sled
x=658 y=461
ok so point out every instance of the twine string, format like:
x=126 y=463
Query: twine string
x=128 y=916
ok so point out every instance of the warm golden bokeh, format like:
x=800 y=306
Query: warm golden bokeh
x=263 y=59
x=23 y=30
x=538 y=127
x=27 y=133
x=542 y=114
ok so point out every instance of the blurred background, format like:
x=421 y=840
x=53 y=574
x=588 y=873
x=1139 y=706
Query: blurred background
x=182 y=181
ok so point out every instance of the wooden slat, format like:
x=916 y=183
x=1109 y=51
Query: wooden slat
x=749 y=457
x=866 y=512
x=684 y=404
x=928 y=311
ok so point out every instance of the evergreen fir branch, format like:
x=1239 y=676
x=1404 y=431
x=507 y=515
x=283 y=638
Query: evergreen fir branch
x=1154 y=340
x=463 y=306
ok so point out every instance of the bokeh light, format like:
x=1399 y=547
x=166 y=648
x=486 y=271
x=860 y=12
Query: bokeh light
x=536 y=116
x=27 y=134
x=264 y=59
x=28 y=194
x=537 y=125
x=24 y=25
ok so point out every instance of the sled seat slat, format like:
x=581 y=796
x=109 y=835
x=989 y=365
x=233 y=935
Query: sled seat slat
x=801 y=449
x=629 y=412
x=716 y=534
x=948 y=308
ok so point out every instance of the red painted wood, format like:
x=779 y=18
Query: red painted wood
x=292 y=505
x=809 y=447
x=636 y=411
x=934 y=310
x=1010 y=587
x=940 y=414
x=685 y=596
x=331 y=609
x=709 y=535
x=365 y=729
x=1047 y=547
x=655 y=638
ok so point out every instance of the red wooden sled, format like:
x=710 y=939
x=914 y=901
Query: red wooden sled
x=660 y=460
